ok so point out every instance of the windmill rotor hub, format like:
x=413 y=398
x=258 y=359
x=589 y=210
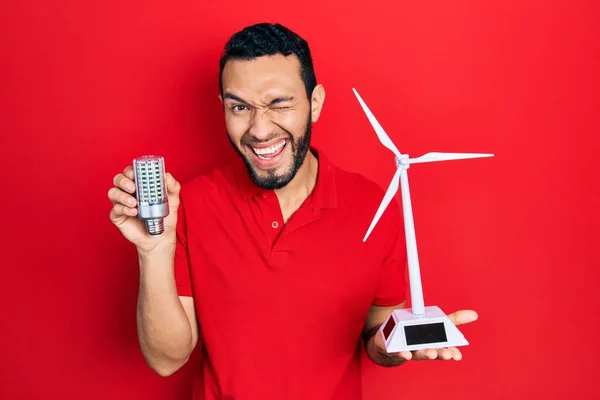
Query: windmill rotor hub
x=402 y=161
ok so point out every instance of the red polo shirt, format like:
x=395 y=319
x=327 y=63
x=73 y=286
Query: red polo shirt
x=281 y=307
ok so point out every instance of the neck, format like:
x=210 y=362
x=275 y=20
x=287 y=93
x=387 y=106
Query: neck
x=299 y=188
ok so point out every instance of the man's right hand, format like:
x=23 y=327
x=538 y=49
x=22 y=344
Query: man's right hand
x=124 y=214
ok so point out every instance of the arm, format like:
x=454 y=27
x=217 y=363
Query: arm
x=373 y=341
x=166 y=322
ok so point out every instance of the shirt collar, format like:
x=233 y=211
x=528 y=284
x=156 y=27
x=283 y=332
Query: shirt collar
x=324 y=195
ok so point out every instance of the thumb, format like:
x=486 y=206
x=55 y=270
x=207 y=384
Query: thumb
x=173 y=188
x=462 y=317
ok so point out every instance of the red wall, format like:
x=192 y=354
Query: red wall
x=87 y=86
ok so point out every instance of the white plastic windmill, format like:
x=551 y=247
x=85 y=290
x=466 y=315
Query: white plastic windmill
x=418 y=327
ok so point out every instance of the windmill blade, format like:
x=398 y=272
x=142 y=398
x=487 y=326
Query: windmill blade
x=383 y=137
x=431 y=157
x=389 y=195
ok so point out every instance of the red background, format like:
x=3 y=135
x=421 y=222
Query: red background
x=87 y=86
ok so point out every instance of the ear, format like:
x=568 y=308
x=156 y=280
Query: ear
x=221 y=98
x=316 y=101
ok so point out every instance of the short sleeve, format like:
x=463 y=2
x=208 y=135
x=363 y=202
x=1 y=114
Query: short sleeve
x=183 y=279
x=392 y=281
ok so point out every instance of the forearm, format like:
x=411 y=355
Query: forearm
x=164 y=331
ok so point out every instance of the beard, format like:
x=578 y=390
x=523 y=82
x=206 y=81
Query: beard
x=273 y=180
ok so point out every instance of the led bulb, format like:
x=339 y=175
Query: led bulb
x=151 y=192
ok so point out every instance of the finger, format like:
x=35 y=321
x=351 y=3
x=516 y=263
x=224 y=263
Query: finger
x=445 y=354
x=119 y=211
x=128 y=172
x=450 y=353
x=463 y=317
x=173 y=186
x=113 y=193
x=124 y=183
x=425 y=354
x=117 y=196
x=456 y=354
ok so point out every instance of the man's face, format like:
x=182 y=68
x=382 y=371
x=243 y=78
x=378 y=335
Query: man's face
x=268 y=117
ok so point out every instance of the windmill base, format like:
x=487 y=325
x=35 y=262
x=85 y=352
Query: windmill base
x=405 y=331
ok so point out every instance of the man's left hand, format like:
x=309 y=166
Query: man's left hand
x=383 y=358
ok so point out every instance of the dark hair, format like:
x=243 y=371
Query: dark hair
x=266 y=39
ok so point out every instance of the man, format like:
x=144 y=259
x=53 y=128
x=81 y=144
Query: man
x=263 y=262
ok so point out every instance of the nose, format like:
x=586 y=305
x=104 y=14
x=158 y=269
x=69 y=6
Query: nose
x=261 y=126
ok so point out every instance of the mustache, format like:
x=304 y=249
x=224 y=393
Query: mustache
x=251 y=140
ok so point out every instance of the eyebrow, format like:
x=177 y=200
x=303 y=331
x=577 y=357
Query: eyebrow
x=281 y=99
x=234 y=97
x=277 y=100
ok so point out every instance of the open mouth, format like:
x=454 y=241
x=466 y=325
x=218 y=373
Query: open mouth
x=270 y=152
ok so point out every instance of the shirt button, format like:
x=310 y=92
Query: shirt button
x=274 y=224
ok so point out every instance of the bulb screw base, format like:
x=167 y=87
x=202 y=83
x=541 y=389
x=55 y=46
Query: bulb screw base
x=155 y=226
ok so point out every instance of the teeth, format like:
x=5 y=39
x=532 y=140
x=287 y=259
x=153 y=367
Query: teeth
x=269 y=150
